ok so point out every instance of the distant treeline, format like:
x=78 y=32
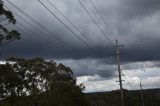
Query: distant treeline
x=131 y=98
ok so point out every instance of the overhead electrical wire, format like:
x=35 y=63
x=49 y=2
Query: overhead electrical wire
x=37 y=24
x=106 y=36
x=33 y=20
x=131 y=66
x=76 y=35
x=96 y=23
x=40 y=25
x=48 y=38
x=85 y=43
x=39 y=35
x=82 y=62
x=103 y=19
x=73 y=26
x=104 y=22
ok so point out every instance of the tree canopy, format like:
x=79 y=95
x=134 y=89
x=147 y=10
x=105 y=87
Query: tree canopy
x=6 y=18
x=40 y=79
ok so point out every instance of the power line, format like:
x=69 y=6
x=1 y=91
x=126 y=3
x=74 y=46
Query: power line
x=40 y=25
x=105 y=23
x=82 y=62
x=101 y=16
x=111 y=32
x=34 y=20
x=106 y=37
x=68 y=27
x=70 y=22
x=97 y=11
x=30 y=18
x=130 y=65
x=37 y=23
x=88 y=46
x=40 y=31
x=83 y=6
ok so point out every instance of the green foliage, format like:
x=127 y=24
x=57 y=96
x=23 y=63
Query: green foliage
x=44 y=82
x=6 y=17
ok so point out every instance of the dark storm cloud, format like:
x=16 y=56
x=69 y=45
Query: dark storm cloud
x=135 y=23
x=33 y=48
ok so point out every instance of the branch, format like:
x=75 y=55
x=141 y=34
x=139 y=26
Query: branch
x=7 y=42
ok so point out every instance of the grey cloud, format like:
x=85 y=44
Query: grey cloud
x=135 y=23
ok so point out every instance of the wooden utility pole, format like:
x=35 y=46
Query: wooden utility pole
x=119 y=71
x=142 y=94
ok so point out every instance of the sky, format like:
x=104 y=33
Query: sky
x=85 y=41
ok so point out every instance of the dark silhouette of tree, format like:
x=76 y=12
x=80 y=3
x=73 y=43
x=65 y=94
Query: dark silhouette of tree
x=48 y=83
x=6 y=18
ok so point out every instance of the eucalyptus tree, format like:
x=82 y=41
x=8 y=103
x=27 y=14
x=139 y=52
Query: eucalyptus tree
x=50 y=83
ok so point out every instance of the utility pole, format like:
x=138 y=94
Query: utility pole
x=142 y=94
x=119 y=71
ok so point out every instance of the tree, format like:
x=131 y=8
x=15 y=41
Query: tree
x=48 y=83
x=6 y=18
